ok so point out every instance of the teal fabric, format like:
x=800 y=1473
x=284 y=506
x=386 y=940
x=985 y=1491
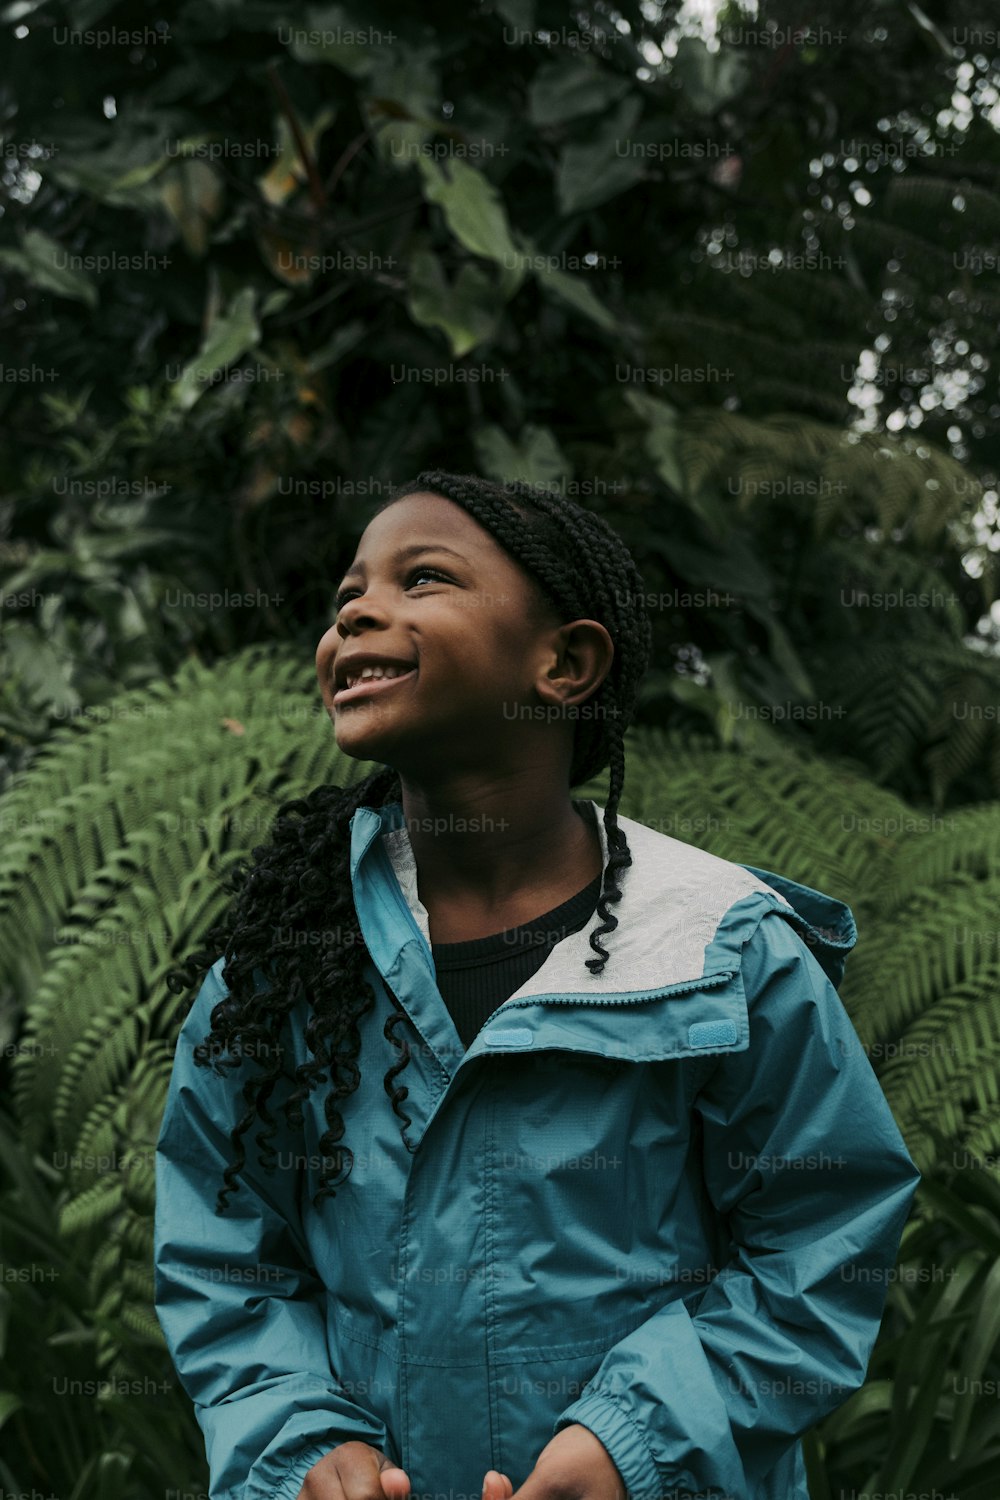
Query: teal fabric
x=668 y=1213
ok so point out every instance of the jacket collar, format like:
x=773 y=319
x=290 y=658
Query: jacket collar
x=684 y=915
x=672 y=986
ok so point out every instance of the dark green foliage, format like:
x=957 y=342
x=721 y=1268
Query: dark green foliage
x=292 y=269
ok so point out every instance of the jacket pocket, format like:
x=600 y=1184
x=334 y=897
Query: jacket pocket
x=529 y=1395
x=365 y=1364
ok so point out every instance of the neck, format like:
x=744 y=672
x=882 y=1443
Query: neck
x=490 y=846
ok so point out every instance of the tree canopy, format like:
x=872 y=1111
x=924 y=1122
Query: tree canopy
x=691 y=266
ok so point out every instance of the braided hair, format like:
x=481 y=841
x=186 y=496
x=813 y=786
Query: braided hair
x=299 y=890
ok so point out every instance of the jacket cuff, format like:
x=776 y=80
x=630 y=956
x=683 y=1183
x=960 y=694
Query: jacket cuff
x=286 y=1483
x=609 y=1420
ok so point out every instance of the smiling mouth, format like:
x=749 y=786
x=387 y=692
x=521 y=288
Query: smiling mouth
x=366 y=686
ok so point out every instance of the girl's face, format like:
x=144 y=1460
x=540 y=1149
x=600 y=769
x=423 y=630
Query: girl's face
x=431 y=596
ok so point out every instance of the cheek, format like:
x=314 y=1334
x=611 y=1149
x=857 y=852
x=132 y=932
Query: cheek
x=326 y=650
x=326 y=653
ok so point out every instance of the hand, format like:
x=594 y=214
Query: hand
x=574 y=1465
x=355 y=1470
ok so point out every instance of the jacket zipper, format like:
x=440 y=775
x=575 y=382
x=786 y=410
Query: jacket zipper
x=404 y=907
x=706 y=982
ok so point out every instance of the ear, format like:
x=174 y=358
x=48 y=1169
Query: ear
x=578 y=661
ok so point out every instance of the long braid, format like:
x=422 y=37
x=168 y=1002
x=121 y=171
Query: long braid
x=299 y=886
x=300 y=880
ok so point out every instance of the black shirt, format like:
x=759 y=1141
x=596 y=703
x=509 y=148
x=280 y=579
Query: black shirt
x=477 y=976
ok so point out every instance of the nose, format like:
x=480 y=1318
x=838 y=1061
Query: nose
x=361 y=613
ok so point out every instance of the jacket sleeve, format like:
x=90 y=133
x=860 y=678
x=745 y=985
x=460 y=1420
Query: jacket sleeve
x=241 y=1307
x=803 y=1160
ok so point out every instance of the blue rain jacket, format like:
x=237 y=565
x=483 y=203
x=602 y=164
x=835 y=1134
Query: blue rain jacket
x=664 y=1202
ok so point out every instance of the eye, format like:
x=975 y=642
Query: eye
x=428 y=573
x=345 y=595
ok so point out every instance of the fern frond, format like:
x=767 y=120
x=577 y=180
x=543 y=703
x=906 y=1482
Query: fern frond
x=90 y=1208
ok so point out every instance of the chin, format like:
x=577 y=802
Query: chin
x=360 y=739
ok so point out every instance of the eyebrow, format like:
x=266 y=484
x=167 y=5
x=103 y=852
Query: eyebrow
x=411 y=551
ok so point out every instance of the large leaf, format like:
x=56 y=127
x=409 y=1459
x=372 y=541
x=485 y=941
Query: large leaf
x=49 y=266
x=534 y=459
x=121 y=170
x=567 y=90
x=228 y=339
x=466 y=310
x=472 y=207
x=567 y=287
x=592 y=171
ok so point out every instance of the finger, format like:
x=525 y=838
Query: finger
x=494 y=1487
x=395 y=1481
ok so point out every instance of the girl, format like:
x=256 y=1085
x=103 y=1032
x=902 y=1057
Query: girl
x=631 y=1233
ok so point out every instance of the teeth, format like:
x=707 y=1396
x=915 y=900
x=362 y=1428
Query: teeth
x=376 y=673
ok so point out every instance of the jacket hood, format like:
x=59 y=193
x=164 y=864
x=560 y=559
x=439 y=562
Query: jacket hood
x=685 y=914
